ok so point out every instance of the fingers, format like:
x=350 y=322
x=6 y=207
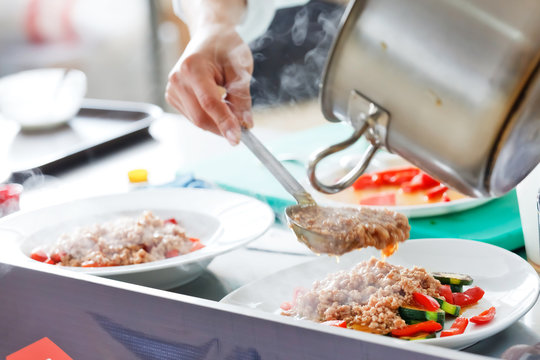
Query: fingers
x=238 y=95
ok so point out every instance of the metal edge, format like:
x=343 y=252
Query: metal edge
x=354 y=7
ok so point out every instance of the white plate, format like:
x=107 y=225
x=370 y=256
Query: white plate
x=510 y=283
x=382 y=161
x=222 y=220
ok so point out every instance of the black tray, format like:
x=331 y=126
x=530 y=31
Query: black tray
x=101 y=126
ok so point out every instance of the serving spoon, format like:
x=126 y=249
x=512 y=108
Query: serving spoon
x=318 y=242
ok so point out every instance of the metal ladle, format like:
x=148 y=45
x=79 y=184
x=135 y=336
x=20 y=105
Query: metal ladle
x=317 y=242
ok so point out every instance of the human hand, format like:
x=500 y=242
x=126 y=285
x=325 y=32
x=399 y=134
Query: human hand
x=215 y=58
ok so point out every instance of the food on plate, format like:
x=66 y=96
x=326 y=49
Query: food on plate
x=397 y=187
x=123 y=241
x=352 y=228
x=381 y=298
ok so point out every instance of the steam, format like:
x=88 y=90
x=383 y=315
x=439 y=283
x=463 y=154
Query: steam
x=300 y=49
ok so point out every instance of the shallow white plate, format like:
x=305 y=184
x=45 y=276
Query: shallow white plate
x=382 y=161
x=510 y=283
x=222 y=220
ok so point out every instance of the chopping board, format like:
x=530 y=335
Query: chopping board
x=496 y=222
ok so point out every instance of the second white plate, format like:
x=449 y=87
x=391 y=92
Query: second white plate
x=510 y=283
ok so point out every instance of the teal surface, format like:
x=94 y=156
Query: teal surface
x=496 y=222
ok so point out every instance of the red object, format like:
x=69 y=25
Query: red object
x=171 y=221
x=409 y=330
x=484 y=317
x=422 y=181
x=386 y=198
x=196 y=246
x=446 y=292
x=458 y=327
x=425 y=301
x=468 y=297
x=39 y=256
x=56 y=258
x=194 y=239
x=172 y=253
x=9 y=198
x=41 y=349
x=445 y=197
x=285 y=306
x=336 y=323
x=387 y=177
x=436 y=192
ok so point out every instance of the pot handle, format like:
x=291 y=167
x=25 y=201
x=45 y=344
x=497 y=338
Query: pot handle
x=365 y=117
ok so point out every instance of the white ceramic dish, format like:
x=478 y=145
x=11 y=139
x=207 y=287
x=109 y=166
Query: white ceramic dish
x=384 y=160
x=510 y=283
x=222 y=220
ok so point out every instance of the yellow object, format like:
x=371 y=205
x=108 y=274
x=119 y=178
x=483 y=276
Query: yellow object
x=138 y=175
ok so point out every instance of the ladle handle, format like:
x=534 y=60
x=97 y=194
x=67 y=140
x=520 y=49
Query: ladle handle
x=277 y=169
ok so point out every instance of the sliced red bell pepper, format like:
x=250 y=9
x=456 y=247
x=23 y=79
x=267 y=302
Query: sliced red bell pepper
x=409 y=330
x=386 y=177
x=484 y=317
x=171 y=221
x=436 y=192
x=285 y=306
x=172 y=253
x=468 y=297
x=39 y=256
x=386 y=198
x=446 y=197
x=458 y=327
x=196 y=246
x=446 y=292
x=336 y=323
x=425 y=301
x=422 y=181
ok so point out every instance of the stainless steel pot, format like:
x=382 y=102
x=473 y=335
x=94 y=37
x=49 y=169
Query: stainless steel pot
x=453 y=86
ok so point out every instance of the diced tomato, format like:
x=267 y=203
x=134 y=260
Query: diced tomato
x=409 y=330
x=446 y=292
x=192 y=239
x=386 y=177
x=446 y=197
x=336 y=323
x=196 y=246
x=56 y=258
x=386 y=198
x=468 y=297
x=39 y=256
x=484 y=317
x=49 y=261
x=425 y=301
x=458 y=327
x=172 y=253
x=171 y=221
x=422 y=181
x=286 y=306
x=436 y=192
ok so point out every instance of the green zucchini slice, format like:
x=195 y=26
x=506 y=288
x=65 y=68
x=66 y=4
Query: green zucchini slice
x=410 y=314
x=452 y=278
x=449 y=308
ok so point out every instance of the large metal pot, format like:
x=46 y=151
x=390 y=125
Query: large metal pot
x=453 y=86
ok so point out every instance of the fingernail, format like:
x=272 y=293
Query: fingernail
x=231 y=136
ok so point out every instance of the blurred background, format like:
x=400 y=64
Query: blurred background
x=127 y=47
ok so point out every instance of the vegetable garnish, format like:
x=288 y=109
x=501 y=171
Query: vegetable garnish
x=386 y=198
x=336 y=323
x=422 y=181
x=458 y=327
x=468 y=297
x=446 y=292
x=388 y=177
x=425 y=301
x=409 y=330
x=484 y=317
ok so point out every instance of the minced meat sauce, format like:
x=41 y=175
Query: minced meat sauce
x=352 y=228
x=367 y=297
x=124 y=241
